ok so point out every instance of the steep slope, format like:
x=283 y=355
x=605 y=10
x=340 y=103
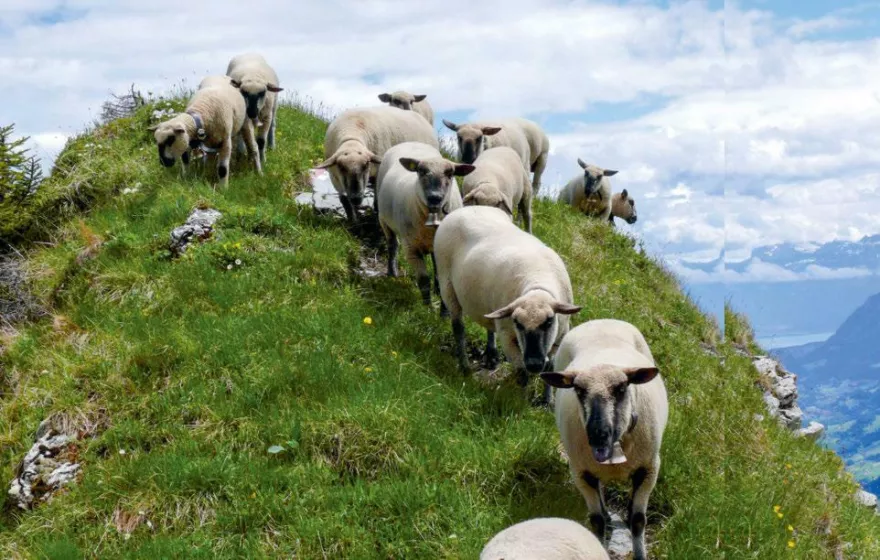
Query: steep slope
x=287 y=405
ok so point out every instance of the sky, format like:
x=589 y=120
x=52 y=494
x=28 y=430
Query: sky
x=732 y=124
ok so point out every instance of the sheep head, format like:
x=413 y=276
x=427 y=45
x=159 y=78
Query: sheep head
x=471 y=139
x=593 y=176
x=401 y=99
x=351 y=166
x=254 y=93
x=436 y=178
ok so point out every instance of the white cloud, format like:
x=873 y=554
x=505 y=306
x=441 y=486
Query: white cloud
x=760 y=271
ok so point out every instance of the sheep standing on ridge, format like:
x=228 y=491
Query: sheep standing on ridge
x=591 y=192
x=623 y=206
x=500 y=181
x=409 y=102
x=214 y=115
x=415 y=180
x=258 y=84
x=506 y=280
x=545 y=538
x=357 y=139
x=611 y=422
x=522 y=135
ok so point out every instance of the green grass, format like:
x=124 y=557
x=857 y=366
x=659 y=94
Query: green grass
x=194 y=371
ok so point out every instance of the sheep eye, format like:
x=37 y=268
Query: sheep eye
x=547 y=324
x=620 y=390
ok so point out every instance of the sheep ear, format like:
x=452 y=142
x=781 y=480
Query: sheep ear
x=502 y=313
x=450 y=125
x=468 y=197
x=491 y=130
x=639 y=375
x=462 y=169
x=274 y=88
x=375 y=159
x=609 y=172
x=560 y=380
x=565 y=308
x=235 y=83
x=582 y=163
x=327 y=162
x=409 y=164
x=624 y=194
x=420 y=97
x=385 y=97
x=505 y=201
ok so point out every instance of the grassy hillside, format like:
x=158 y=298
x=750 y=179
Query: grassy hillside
x=188 y=372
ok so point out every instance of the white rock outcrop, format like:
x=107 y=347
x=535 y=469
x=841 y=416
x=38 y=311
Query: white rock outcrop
x=46 y=468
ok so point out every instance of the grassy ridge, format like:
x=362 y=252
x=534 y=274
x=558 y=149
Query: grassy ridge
x=194 y=371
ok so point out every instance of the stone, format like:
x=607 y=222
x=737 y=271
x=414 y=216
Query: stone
x=772 y=404
x=620 y=542
x=199 y=225
x=813 y=431
x=866 y=499
x=46 y=468
x=791 y=417
x=785 y=389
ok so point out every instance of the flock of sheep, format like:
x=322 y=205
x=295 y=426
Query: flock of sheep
x=611 y=405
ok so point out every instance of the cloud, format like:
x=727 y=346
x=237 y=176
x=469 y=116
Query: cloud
x=760 y=271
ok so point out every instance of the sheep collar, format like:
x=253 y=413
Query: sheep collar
x=201 y=134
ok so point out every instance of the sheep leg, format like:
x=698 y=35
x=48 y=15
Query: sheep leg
x=248 y=133
x=393 y=244
x=444 y=311
x=416 y=260
x=224 y=155
x=643 y=481
x=490 y=356
x=271 y=137
x=611 y=219
x=591 y=490
x=538 y=169
x=261 y=140
x=525 y=213
x=458 y=333
x=349 y=209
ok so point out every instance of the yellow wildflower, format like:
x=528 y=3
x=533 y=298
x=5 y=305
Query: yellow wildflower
x=776 y=509
x=790 y=544
x=393 y=354
x=368 y=320
x=779 y=515
x=788 y=465
x=368 y=370
x=790 y=528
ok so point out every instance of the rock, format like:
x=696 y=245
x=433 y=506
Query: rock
x=791 y=417
x=866 y=499
x=766 y=366
x=199 y=225
x=813 y=431
x=46 y=468
x=772 y=404
x=785 y=389
x=620 y=543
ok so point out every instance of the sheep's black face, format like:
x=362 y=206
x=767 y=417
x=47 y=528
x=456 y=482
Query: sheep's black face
x=591 y=182
x=254 y=102
x=536 y=327
x=435 y=179
x=404 y=104
x=633 y=215
x=606 y=408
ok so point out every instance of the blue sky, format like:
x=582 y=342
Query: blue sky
x=733 y=124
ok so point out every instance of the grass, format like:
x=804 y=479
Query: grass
x=192 y=372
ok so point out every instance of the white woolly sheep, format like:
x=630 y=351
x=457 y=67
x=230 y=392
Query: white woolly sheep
x=545 y=538
x=612 y=421
x=523 y=135
x=258 y=84
x=506 y=280
x=214 y=115
x=409 y=102
x=591 y=192
x=623 y=206
x=357 y=139
x=500 y=181
x=415 y=180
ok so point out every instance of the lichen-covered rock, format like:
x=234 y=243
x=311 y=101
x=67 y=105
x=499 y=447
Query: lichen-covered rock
x=48 y=466
x=813 y=431
x=199 y=225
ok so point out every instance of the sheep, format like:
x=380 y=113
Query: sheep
x=506 y=280
x=545 y=538
x=623 y=206
x=357 y=139
x=415 y=180
x=214 y=115
x=409 y=102
x=523 y=135
x=612 y=423
x=258 y=84
x=591 y=192
x=500 y=181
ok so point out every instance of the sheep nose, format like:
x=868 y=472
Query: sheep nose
x=534 y=364
x=356 y=200
x=601 y=453
x=434 y=200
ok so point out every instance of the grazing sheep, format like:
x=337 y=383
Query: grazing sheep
x=545 y=538
x=623 y=206
x=500 y=181
x=409 y=102
x=612 y=422
x=214 y=116
x=506 y=280
x=258 y=83
x=523 y=135
x=415 y=180
x=591 y=192
x=357 y=139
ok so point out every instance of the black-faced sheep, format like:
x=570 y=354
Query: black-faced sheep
x=258 y=84
x=589 y=192
x=409 y=102
x=623 y=206
x=500 y=181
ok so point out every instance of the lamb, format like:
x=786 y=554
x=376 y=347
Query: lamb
x=500 y=181
x=409 y=102
x=214 y=115
x=623 y=206
x=611 y=424
x=506 y=280
x=523 y=135
x=258 y=84
x=591 y=192
x=545 y=538
x=415 y=180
